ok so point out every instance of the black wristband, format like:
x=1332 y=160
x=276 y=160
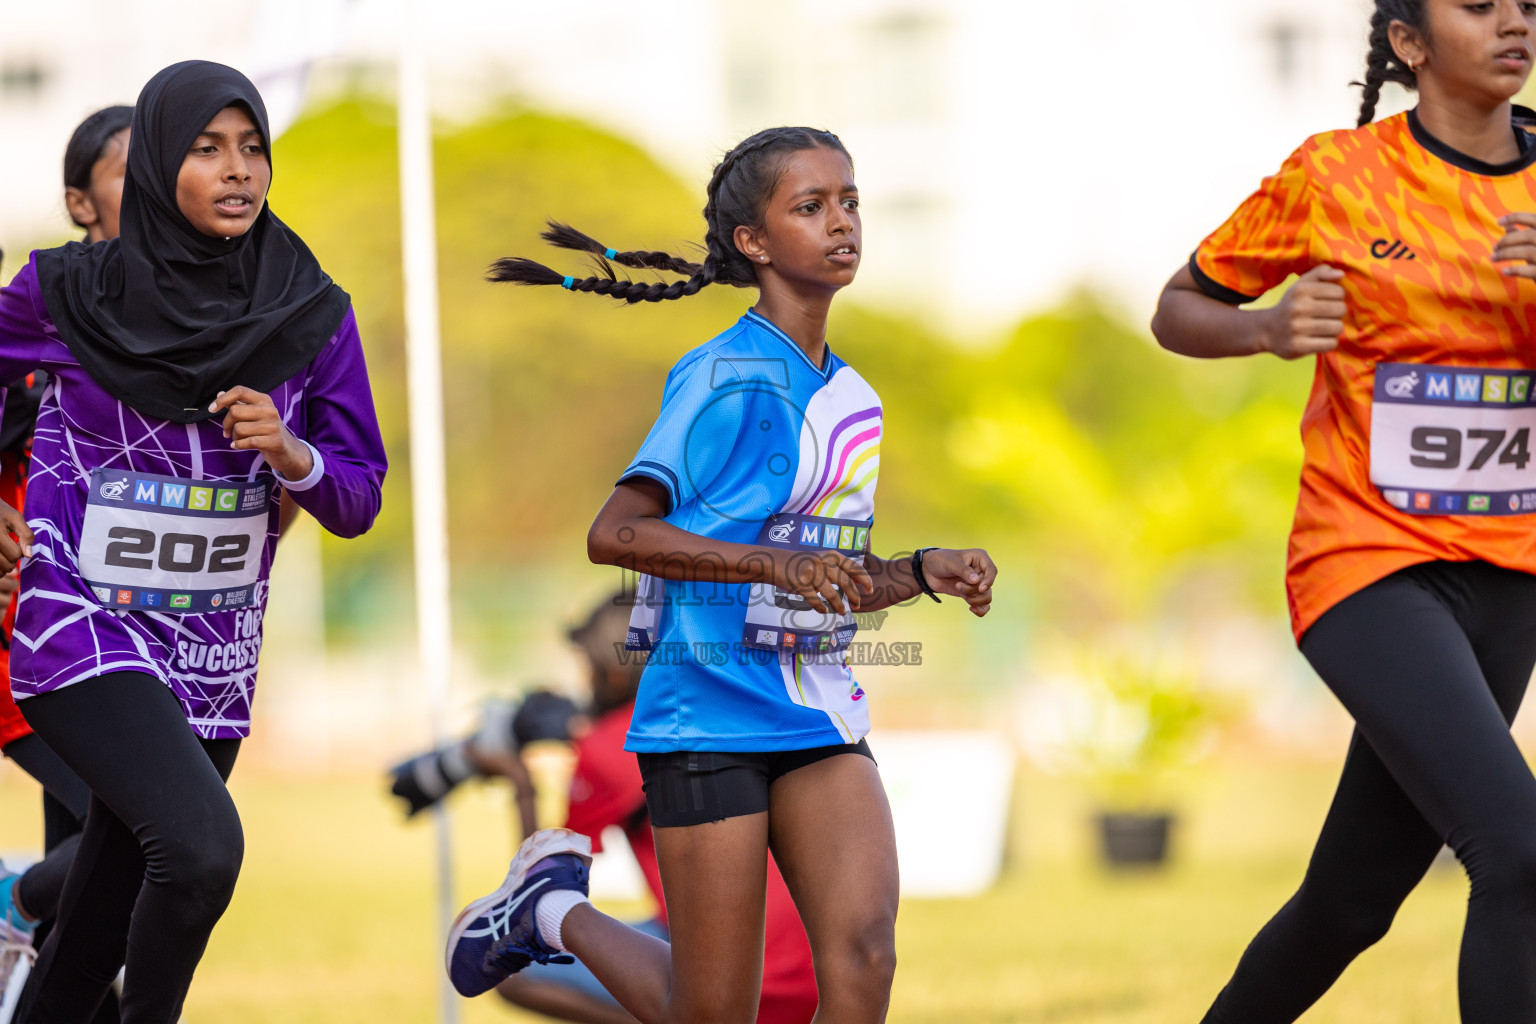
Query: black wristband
x=917 y=573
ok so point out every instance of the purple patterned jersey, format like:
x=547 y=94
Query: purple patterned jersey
x=67 y=630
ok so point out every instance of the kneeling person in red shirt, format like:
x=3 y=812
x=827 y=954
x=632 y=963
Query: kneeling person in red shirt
x=605 y=791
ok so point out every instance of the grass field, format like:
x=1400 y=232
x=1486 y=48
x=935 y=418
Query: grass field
x=331 y=922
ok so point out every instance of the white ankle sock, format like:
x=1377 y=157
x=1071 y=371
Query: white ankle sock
x=550 y=914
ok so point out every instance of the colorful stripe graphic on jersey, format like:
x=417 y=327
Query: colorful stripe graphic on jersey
x=755 y=445
x=854 y=448
x=1412 y=225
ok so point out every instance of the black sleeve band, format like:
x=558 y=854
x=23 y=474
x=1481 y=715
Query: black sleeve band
x=1215 y=289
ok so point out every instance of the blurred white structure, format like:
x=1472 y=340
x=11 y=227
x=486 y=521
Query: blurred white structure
x=951 y=795
x=1007 y=152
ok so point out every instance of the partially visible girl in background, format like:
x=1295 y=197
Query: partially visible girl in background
x=94 y=164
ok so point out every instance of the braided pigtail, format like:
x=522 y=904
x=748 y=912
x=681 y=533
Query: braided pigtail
x=1382 y=64
x=738 y=195
x=566 y=237
x=517 y=270
x=641 y=291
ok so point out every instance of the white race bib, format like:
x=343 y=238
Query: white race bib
x=786 y=621
x=160 y=543
x=775 y=620
x=1451 y=440
x=649 y=594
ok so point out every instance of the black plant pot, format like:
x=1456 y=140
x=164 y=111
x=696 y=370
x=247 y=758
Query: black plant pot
x=1135 y=840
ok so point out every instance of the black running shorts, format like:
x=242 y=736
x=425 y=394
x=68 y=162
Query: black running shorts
x=697 y=787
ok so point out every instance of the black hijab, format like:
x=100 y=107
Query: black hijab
x=164 y=317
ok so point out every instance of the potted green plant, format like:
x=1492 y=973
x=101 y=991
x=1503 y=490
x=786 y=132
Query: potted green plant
x=1130 y=730
x=1153 y=725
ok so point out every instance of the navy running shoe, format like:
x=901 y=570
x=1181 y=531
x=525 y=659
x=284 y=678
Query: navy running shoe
x=498 y=934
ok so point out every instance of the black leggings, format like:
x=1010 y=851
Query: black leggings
x=65 y=800
x=1432 y=662
x=158 y=859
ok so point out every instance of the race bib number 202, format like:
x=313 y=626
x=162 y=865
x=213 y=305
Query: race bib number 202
x=164 y=544
x=1450 y=440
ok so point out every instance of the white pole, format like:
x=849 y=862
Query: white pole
x=424 y=375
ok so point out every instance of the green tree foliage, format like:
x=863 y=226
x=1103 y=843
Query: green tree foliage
x=548 y=394
x=1097 y=467
x=1117 y=468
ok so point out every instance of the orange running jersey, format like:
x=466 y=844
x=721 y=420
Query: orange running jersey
x=1417 y=434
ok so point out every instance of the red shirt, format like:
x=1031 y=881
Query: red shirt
x=606 y=790
x=13 y=482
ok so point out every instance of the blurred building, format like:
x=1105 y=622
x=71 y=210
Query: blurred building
x=62 y=59
x=1007 y=152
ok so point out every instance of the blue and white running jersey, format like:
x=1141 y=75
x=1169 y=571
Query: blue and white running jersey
x=755 y=445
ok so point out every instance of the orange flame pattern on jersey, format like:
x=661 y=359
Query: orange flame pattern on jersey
x=1414 y=234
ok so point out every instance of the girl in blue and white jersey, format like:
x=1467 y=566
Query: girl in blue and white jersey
x=749 y=506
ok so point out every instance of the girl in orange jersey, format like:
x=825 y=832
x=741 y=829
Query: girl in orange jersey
x=1412 y=565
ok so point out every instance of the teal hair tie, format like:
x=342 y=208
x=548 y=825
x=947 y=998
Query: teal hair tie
x=566 y=284
x=610 y=254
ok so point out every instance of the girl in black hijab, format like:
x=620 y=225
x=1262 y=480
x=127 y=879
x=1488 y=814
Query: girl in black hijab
x=163 y=315
x=200 y=365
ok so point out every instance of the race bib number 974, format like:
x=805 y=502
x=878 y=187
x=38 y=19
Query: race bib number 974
x=160 y=543
x=1450 y=440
